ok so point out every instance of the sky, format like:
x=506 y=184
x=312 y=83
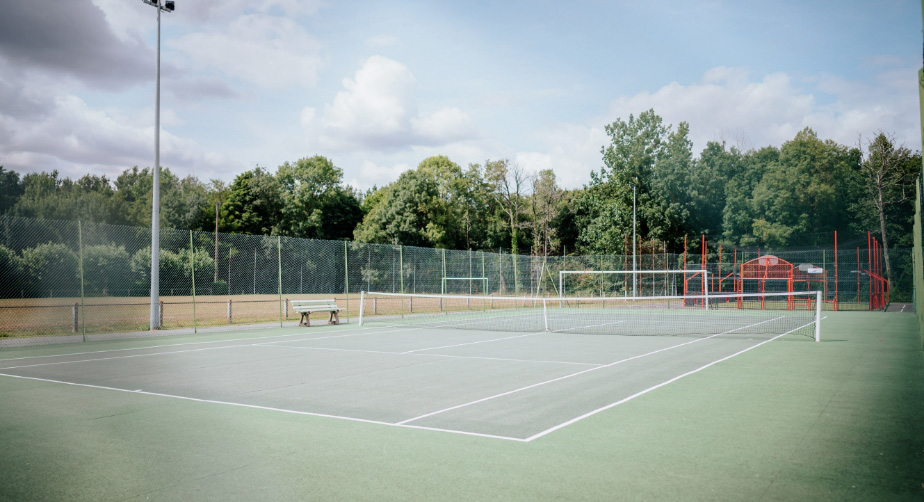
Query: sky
x=377 y=87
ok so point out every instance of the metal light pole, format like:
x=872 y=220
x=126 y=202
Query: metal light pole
x=167 y=6
x=634 y=284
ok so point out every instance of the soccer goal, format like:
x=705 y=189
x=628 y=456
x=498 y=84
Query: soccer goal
x=632 y=283
x=464 y=285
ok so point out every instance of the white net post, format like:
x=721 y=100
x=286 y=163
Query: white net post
x=545 y=315
x=706 y=289
x=818 y=316
x=362 y=301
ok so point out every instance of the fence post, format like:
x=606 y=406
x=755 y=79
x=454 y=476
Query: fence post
x=286 y=303
x=229 y=311
x=401 y=266
x=74 y=325
x=279 y=262
x=192 y=268
x=83 y=314
x=160 y=314
x=346 y=280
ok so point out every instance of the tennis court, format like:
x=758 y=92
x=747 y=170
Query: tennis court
x=506 y=385
x=327 y=404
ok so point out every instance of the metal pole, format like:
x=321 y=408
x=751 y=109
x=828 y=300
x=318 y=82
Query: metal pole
x=279 y=262
x=634 y=286
x=83 y=313
x=346 y=280
x=155 y=204
x=192 y=270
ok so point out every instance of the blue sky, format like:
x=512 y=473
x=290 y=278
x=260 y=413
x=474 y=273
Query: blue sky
x=379 y=86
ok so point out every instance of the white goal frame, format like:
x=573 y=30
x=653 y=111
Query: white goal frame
x=562 y=273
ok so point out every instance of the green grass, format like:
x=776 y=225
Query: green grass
x=837 y=420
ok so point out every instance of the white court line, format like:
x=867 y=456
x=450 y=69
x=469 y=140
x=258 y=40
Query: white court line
x=54 y=363
x=662 y=384
x=571 y=375
x=473 y=343
x=266 y=408
x=348 y=328
x=447 y=356
x=588 y=326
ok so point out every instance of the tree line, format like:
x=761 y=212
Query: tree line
x=796 y=194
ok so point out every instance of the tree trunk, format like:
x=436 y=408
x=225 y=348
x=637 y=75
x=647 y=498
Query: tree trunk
x=885 y=240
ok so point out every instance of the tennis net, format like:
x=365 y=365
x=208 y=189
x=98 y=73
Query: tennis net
x=748 y=314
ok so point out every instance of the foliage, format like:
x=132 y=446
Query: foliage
x=104 y=267
x=315 y=204
x=253 y=204
x=10 y=189
x=795 y=194
x=174 y=268
x=434 y=205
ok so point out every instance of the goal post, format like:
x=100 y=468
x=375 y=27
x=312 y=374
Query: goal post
x=668 y=278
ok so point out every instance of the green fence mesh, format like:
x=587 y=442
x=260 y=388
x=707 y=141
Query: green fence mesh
x=64 y=281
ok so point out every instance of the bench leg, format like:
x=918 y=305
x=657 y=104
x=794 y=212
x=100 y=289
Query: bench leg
x=304 y=321
x=334 y=317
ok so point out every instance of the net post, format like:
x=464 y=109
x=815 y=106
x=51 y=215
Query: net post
x=818 y=316
x=362 y=301
x=705 y=289
x=545 y=314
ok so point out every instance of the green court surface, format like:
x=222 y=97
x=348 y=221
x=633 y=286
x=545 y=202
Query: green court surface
x=379 y=413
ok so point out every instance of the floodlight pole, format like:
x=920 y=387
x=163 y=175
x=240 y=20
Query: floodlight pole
x=634 y=284
x=155 y=196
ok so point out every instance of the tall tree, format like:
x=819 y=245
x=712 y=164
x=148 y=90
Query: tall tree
x=544 y=207
x=889 y=174
x=10 y=190
x=421 y=208
x=253 y=204
x=604 y=209
x=315 y=204
x=509 y=183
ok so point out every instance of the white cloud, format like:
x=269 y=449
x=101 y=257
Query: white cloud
x=371 y=174
x=269 y=51
x=727 y=103
x=77 y=139
x=571 y=150
x=377 y=110
x=219 y=13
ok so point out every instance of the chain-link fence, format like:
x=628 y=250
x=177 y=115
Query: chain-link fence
x=69 y=281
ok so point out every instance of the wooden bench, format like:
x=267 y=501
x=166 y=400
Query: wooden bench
x=306 y=307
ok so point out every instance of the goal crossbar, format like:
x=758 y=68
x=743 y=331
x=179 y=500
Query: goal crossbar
x=686 y=273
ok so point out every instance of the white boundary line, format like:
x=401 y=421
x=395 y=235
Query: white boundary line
x=447 y=356
x=473 y=343
x=405 y=423
x=662 y=384
x=54 y=363
x=267 y=408
x=348 y=328
x=571 y=375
